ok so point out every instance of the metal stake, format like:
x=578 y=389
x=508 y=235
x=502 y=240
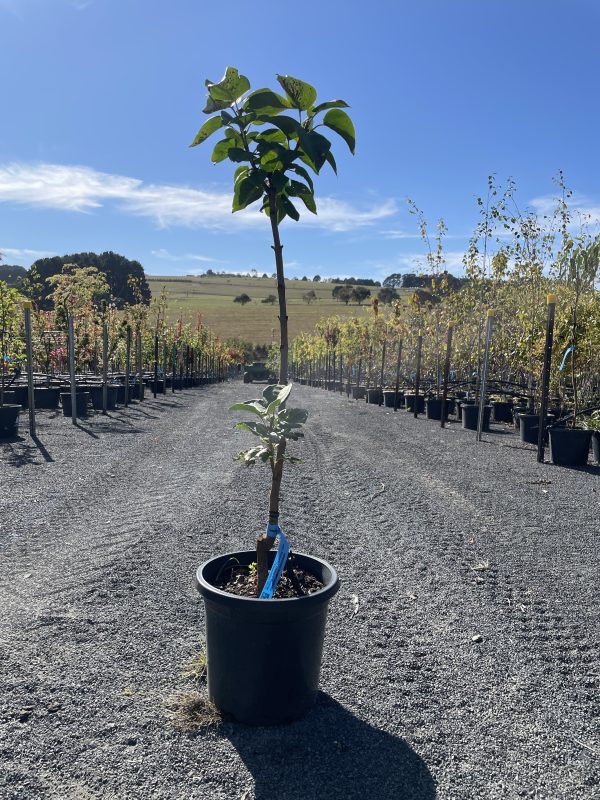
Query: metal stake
x=551 y=300
x=451 y=325
x=27 y=306
x=482 y=386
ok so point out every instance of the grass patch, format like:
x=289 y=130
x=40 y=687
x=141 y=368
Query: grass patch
x=196 y=668
x=192 y=711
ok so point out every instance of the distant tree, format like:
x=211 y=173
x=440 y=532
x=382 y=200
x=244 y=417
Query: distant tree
x=304 y=278
x=360 y=294
x=412 y=281
x=12 y=274
x=424 y=298
x=242 y=298
x=387 y=295
x=270 y=298
x=308 y=297
x=209 y=273
x=394 y=280
x=342 y=293
x=317 y=278
x=118 y=271
x=265 y=275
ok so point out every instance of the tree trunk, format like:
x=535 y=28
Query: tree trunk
x=264 y=542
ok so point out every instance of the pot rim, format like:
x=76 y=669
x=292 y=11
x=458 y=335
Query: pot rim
x=208 y=591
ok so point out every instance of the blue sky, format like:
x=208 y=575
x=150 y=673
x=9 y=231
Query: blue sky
x=99 y=100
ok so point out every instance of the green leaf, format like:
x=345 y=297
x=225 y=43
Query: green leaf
x=257 y=428
x=209 y=127
x=294 y=416
x=246 y=191
x=266 y=102
x=284 y=392
x=290 y=208
x=341 y=123
x=237 y=154
x=213 y=105
x=315 y=147
x=304 y=174
x=273 y=135
x=331 y=161
x=329 y=104
x=231 y=86
x=302 y=95
x=255 y=407
x=221 y=150
x=271 y=392
x=290 y=127
x=297 y=189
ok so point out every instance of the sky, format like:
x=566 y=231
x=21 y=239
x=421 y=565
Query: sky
x=100 y=99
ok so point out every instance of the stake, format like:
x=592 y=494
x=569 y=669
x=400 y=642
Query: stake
x=104 y=360
x=138 y=335
x=174 y=368
x=482 y=386
x=451 y=325
x=155 y=364
x=127 y=365
x=382 y=372
x=398 y=362
x=418 y=375
x=72 y=370
x=27 y=306
x=551 y=300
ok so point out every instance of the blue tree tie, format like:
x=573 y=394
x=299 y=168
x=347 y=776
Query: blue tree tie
x=279 y=563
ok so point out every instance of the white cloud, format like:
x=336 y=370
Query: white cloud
x=583 y=210
x=83 y=189
x=165 y=255
x=417 y=262
x=25 y=254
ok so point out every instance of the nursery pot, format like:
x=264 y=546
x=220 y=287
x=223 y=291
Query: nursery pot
x=46 y=397
x=358 y=392
x=409 y=400
x=111 y=397
x=374 y=395
x=390 y=397
x=596 y=446
x=9 y=420
x=433 y=408
x=81 y=403
x=569 y=446
x=264 y=656
x=502 y=411
x=459 y=407
x=529 y=426
x=470 y=417
x=517 y=411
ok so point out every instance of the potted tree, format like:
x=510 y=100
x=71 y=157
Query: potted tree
x=264 y=651
x=9 y=345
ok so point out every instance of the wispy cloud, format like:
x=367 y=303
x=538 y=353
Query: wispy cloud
x=417 y=262
x=25 y=254
x=584 y=211
x=165 y=255
x=83 y=189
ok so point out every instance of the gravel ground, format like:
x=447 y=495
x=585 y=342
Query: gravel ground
x=468 y=670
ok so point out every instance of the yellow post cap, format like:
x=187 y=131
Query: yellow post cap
x=420 y=333
x=551 y=299
x=27 y=305
x=452 y=323
x=491 y=312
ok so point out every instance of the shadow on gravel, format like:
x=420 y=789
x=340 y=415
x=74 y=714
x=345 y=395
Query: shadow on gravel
x=331 y=754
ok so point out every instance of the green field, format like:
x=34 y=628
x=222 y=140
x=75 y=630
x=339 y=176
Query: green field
x=255 y=322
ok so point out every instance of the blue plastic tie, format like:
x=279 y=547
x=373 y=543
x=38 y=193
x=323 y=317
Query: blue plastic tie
x=279 y=563
x=567 y=351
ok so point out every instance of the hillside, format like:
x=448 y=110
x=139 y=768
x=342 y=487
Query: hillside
x=256 y=322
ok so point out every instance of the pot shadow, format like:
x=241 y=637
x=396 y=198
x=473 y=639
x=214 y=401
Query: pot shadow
x=331 y=754
x=19 y=453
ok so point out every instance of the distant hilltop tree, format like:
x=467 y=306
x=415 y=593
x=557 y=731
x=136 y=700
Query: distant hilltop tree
x=387 y=295
x=12 y=274
x=242 y=299
x=342 y=293
x=309 y=297
x=270 y=298
x=121 y=276
x=355 y=281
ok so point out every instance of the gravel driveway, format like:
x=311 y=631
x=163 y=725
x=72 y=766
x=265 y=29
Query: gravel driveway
x=462 y=652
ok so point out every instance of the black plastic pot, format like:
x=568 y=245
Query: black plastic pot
x=358 y=392
x=46 y=397
x=502 y=411
x=111 y=397
x=9 y=420
x=375 y=396
x=409 y=400
x=81 y=401
x=596 y=446
x=264 y=656
x=389 y=398
x=459 y=407
x=433 y=408
x=529 y=426
x=470 y=416
x=517 y=411
x=569 y=447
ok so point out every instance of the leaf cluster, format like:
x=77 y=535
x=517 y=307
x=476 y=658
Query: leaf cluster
x=273 y=138
x=275 y=424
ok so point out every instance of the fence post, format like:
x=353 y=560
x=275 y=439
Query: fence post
x=27 y=306
x=398 y=362
x=72 y=370
x=551 y=300
x=482 y=386
x=451 y=325
x=418 y=375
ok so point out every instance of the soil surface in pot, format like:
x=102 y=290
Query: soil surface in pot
x=241 y=580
